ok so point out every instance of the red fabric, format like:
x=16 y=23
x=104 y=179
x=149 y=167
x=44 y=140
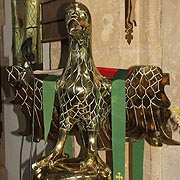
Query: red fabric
x=107 y=72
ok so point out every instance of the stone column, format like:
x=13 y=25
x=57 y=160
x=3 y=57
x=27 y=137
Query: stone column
x=170 y=35
x=150 y=51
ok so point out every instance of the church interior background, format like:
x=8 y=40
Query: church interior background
x=155 y=41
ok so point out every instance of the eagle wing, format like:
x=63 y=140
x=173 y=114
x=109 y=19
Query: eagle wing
x=147 y=106
x=27 y=90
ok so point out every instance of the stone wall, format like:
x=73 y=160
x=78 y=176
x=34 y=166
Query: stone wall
x=2 y=150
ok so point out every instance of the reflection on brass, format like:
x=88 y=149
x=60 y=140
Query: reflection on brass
x=84 y=98
x=148 y=106
x=176 y=111
x=82 y=93
x=83 y=106
x=25 y=87
x=129 y=19
x=26 y=24
x=22 y=82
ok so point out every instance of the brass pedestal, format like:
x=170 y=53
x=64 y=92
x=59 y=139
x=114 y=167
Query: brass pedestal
x=64 y=175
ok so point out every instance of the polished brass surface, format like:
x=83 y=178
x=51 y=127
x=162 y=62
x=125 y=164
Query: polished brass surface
x=84 y=98
x=27 y=89
x=148 y=106
x=26 y=24
x=83 y=105
x=176 y=111
x=64 y=175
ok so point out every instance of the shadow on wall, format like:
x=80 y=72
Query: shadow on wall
x=53 y=15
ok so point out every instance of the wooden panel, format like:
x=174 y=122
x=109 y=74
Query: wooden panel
x=53 y=24
x=54 y=31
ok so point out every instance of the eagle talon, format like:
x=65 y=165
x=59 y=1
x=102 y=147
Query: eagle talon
x=95 y=164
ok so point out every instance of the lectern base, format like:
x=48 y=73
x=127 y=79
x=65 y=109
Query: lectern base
x=64 y=175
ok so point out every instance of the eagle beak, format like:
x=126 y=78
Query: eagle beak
x=77 y=25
